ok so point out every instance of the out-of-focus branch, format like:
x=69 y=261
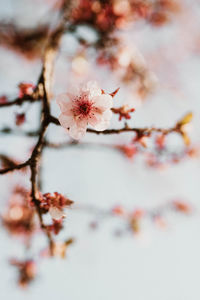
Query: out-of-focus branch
x=8 y=130
x=44 y=84
x=45 y=81
x=134 y=217
x=12 y=165
x=20 y=101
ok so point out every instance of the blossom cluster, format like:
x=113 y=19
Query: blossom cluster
x=107 y=15
x=54 y=204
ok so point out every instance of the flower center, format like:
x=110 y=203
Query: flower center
x=84 y=108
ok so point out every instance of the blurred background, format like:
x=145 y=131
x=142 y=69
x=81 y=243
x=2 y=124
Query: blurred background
x=106 y=261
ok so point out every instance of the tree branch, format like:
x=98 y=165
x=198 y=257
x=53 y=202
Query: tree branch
x=126 y=128
x=15 y=167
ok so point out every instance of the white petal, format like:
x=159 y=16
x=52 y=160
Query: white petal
x=75 y=128
x=93 y=89
x=104 y=102
x=66 y=121
x=77 y=132
x=62 y=101
x=56 y=213
x=95 y=119
x=105 y=121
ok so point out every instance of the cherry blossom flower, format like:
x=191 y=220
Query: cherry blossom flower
x=88 y=105
x=54 y=204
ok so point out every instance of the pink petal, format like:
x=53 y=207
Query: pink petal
x=56 y=213
x=76 y=128
x=92 y=88
x=81 y=122
x=77 y=132
x=95 y=119
x=103 y=102
x=66 y=121
x=104 y=121
x=62 y=100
